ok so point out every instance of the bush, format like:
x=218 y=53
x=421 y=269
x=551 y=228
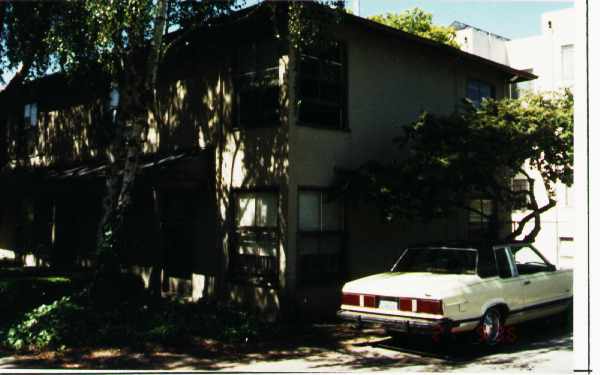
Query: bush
x=56 y=325
x=21 y=294
x=76 y=321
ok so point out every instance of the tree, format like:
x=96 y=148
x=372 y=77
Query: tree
x=126 y=41
x=447 y=160
x=417 y=21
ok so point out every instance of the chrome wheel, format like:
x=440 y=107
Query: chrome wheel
x=491 y=327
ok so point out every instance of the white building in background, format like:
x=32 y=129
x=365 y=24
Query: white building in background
x=550 y=56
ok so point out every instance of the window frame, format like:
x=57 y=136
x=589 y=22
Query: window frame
x=512 y=250
x=344 y=92
x=514 y=189
x=511 y=261
x=320 y=235
x=479 y=83
x=237 y=85
x=30 y=121
x=571 y=73
x=235 y=275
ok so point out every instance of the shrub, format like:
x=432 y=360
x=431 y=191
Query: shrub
x=56 y=325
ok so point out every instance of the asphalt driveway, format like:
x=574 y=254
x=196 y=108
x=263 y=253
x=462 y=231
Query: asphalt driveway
x=334 y=347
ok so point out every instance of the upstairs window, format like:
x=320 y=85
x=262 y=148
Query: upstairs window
x=30 y=115
x=113 y=103
x=322 y=88
x=257 y=85
x=567 y=54
x=320 y=235
x=255 y=241
x=478 y=90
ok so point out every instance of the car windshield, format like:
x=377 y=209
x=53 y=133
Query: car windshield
x=437 y=260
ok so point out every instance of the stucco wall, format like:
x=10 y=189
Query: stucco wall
x=389 y=83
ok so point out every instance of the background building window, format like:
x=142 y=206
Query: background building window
x=520 y=186
x=320 y=235
x=257 y=84
x=254 y=255
x=321 y=87
x=477 y=90
x=567 y=62
x=521 y=88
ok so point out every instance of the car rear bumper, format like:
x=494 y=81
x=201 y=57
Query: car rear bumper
x=400 y=324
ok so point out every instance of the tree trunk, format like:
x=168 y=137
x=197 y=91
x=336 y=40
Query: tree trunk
x=137 y=88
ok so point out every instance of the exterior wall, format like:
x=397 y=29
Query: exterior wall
x=485 y=44
x=198 y=102
x=389 y=83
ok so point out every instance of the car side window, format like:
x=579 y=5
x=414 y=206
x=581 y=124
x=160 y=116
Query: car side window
x=529 y=260
x=503 y=263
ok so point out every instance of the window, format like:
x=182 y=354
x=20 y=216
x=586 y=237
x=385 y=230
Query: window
x=28 y=142
x=528 y=260
x=567 y=62
x=255 y=239
x=479 y=217
x=320 y=235
x=113 y=103
x=503 y=262
x=30 y=115
x=257 y=85
x=436 y=260
x=477 y=90
x=321 y=88
x=520 y=88
x=520 y=188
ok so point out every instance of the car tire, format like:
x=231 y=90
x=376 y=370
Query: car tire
x=491 y=327
x=567 y=317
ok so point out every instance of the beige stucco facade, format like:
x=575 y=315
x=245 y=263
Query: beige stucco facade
x=389 y=78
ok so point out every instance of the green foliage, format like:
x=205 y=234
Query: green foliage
x=417 y=21
x=48 y=326
x=75 y=321
x=446 y=160
x=310 y=22
x=20 y=294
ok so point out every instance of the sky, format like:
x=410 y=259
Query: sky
x=508 y=18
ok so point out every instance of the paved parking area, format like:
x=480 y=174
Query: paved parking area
x=331 y=348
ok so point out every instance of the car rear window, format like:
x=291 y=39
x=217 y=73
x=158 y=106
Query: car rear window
x=437 y=260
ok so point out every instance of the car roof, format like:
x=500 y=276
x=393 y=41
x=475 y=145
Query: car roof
x=465 y=244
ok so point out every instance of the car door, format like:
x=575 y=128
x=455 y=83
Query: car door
x=542 y=283
x=509 y=283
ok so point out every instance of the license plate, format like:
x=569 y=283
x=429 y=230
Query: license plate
x=388 y=305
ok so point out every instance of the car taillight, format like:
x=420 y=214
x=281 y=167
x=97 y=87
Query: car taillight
x=429 y=306
x=350 y=299
x=369 y=301
x=405 y=304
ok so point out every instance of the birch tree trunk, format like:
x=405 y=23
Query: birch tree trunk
x=138 y=96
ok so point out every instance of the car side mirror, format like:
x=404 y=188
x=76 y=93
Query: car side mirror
x=551 y=267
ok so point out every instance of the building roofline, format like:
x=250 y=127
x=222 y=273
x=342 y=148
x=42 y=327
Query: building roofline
x=376 y=26
x=457 y=25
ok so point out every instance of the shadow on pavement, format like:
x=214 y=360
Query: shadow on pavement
x=540 y=336
x=316 y=347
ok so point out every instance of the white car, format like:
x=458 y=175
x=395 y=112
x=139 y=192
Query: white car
x=461 y=287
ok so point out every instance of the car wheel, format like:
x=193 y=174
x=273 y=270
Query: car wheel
x=490 y=328
x=567 y=317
